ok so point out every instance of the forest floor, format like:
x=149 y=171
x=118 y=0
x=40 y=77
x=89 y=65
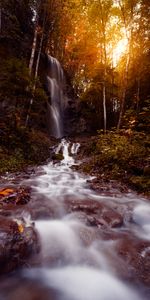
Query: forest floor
x=21 y=147
x=116 y=161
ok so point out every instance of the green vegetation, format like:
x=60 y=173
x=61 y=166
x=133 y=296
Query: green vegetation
x=22 y=147
x=122 y=156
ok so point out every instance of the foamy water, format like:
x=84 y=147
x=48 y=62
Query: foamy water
x=74 y=261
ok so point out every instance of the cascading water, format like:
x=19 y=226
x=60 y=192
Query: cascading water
x=78 y=261
x=56 y=82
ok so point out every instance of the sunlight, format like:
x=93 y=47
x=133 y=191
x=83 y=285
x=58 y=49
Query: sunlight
x=119 y=50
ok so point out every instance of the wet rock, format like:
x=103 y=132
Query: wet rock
x=14 y=196
x=17 y=243
x=41 y=208
x=107 y=218
x=57 y=157
x=26 y=289
x=137 y=257
x=97 y=214
x=42 y=213
x=108 y=187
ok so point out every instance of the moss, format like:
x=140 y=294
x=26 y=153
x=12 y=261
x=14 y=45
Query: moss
x=87 y=168
x=11 y=163
x=141 y=183
x=121 y=156
x=57 y=156
x=24 y=148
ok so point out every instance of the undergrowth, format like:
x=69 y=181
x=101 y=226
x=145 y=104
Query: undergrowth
x=123 y=156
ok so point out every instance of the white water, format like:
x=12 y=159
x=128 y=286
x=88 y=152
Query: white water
x=55 y=81
x=84 y=283
x=75 y=260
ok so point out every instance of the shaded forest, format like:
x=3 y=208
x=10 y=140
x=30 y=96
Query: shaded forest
x=104 y=49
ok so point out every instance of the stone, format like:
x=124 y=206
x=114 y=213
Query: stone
x=97 y=213
x=136 y=255
x=14 y=196
x=17 y=243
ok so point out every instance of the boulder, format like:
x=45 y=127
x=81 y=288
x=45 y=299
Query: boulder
x=14 y=196
x=97 y=213
x=17 y=243
x=136 y=254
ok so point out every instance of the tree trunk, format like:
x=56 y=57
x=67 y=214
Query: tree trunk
x=0 y=19
x=129 y=36
x=39 y=54
x=33 y=50
x=30 y=72
x=104 y=84
x=104 y=56
x=104 y=107
x=138 y=95
x=124 y=92
x=121 y=108
x=36 y=68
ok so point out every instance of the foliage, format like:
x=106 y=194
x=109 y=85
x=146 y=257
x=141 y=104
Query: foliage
x=16 y=26
x=124 y=155
x=113 y=145
x=95 y=30
x=143 y=120
x=84 y=36
x=92 y=99
x=14 y=79
x=22 y=148
x=16 y=92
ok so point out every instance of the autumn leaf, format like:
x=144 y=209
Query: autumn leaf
x=21 y=228
x=6 y=192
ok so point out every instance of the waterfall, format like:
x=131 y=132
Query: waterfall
x=55 y=85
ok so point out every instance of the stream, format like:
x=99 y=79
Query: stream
x=92 y=246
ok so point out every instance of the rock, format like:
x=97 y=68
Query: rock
x=97 y=213
x=136 y=254
x=17 y=243
x=42 y=213
x=57 y=157
x=108 y=187
x=16 y=288
x=18 y=196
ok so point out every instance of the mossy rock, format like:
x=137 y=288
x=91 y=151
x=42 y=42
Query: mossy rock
x=57 y=156
x=141 y=183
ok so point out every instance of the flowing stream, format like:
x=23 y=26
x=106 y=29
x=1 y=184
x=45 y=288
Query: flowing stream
x=79 y=261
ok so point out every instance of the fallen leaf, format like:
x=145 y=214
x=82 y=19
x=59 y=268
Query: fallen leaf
x=6 y=192
x=21 y=228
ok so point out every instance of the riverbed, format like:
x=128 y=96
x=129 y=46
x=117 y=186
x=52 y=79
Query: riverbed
x=93 y=246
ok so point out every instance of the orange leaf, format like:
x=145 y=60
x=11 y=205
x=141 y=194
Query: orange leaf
x=21 y=228
x=6 y=192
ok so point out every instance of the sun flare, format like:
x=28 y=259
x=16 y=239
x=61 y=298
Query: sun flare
x=119 y=50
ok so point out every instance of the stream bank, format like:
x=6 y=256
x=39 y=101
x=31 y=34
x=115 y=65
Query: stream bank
x=119 y=161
